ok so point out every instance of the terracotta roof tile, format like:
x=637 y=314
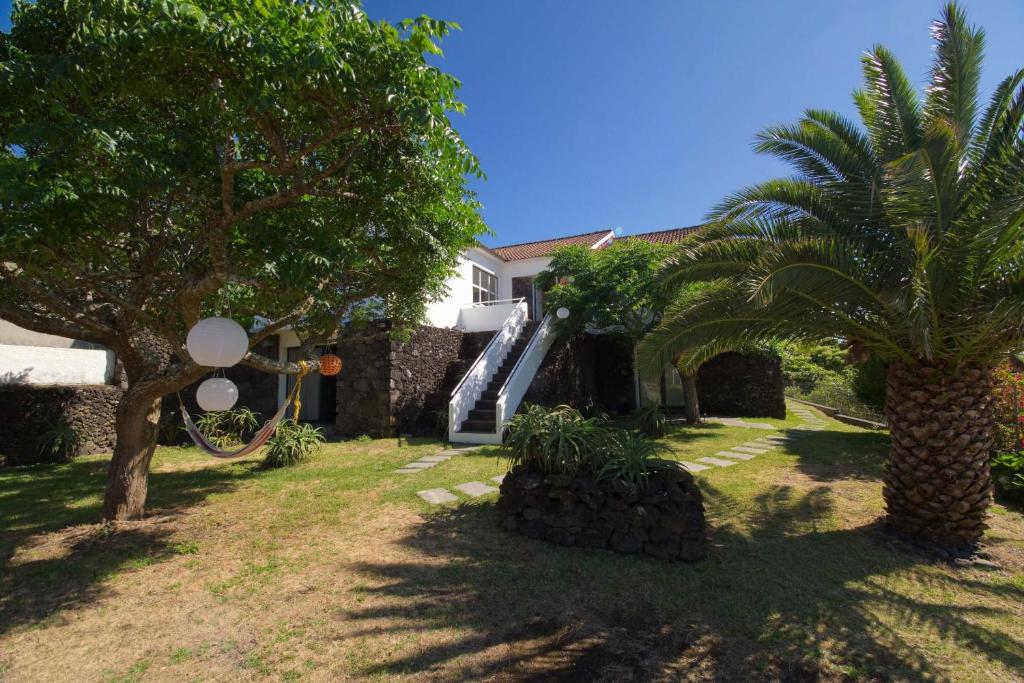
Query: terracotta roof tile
x=517 y=252
x=671 y=236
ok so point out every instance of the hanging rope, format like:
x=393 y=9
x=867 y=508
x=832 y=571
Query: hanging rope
x=260 y=437
x=303 y=371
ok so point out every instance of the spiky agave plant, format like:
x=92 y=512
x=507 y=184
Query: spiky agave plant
x=904 y=237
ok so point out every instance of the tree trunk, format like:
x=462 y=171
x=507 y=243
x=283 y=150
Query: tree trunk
x=938 y=486
x=692 y=404
x=137 y=422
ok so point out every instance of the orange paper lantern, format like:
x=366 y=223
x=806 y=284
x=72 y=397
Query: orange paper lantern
x=330 y=365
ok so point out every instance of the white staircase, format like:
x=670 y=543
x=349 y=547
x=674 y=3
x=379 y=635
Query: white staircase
x=490 y=393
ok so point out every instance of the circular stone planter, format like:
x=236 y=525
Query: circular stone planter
x=665 y=519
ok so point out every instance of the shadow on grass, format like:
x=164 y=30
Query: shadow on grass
x=833 y=455
x=778 y=599
x=42 y=573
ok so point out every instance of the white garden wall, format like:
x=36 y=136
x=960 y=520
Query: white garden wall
x=54 y=365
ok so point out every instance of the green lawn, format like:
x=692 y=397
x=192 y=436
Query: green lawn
x=336 y=570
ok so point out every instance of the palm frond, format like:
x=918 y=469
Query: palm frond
x=888 y=105
x=952 y=95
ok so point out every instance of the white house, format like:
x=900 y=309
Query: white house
x=492 y=290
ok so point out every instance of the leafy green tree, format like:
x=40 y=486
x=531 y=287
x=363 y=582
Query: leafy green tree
x=162 y=161
x=615 y=289
x=905 y=237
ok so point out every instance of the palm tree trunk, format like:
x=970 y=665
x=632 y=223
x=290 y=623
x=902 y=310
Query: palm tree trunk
x=692 y=404
x=938 y=486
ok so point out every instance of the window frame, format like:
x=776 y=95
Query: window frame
x=481 y=293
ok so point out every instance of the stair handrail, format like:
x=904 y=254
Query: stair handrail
x=483 y=353
x=478 y=375
x=508 y=400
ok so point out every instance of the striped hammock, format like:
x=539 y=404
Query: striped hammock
x=261 y=437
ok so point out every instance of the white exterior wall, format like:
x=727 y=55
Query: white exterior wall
x=445 y=313
x=28 y=357
x=54 y=365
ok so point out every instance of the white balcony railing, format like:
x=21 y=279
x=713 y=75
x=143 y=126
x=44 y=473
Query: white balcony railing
x=487 y=315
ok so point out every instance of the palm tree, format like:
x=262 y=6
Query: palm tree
x=904 y=237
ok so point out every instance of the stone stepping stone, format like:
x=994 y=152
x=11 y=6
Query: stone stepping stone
x=737 y=422
x=476 y=488
x=500 y=478
x=407 y=470
x=692 y=466
x=437 y=496
x=718 y=461
x=435 y=458
x=765 y=444
x=736 y=455
x=459 y=451
x=419 y=465
x=749 y=449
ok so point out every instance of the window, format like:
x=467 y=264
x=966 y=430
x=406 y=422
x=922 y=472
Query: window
x=485 y=286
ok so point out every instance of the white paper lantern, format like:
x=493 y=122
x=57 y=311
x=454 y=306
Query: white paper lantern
x=562 y=312
x=217 y=393
x=217 y=342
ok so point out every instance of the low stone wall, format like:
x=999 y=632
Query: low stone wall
x=586 y=371
x=742 y=385
x=31 y=412
x=665 y=519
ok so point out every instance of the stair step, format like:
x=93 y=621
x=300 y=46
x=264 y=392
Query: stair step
x=478 y=426
x=489 y=396
x=486 y=403
x=479 y=414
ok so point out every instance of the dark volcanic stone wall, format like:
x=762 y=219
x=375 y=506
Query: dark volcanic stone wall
x=31 y=411
x=391 y=386
x=419 y=368
x=364 y=384
x=742 y=384
x=664 y=519
x=587 y=371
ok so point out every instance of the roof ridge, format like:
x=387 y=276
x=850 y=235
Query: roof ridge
x=655 y=232
x=553 y=239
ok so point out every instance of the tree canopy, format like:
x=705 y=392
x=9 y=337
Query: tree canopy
x=904 y=234
x=162 y=161
x=613 y=288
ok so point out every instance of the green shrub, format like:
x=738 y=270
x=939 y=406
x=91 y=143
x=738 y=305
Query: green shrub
x=805 y=365
x=627 y=456
x=562 y=441
x=554 y=441
x=868 y=383
x=1008 y=474
x=225 y=428
x=58 y=444
x=292 y=443
x=650 y=420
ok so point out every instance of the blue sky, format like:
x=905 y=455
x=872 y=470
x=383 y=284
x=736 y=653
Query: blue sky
x=640 y=115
